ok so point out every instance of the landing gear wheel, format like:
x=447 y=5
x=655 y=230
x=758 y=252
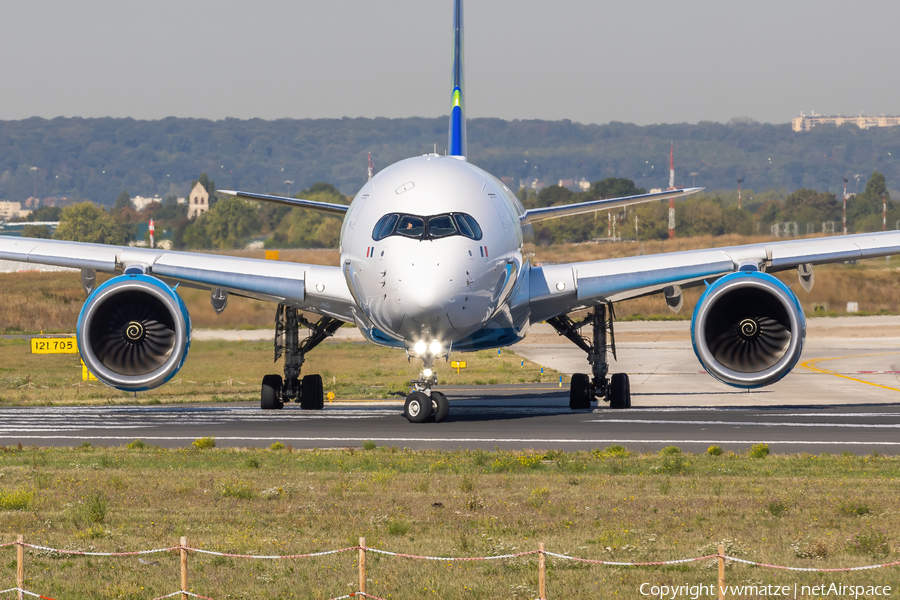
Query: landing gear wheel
x=270 y=395
x=580 y=392
x=311 y=393
x=440 y=405
x=417 y=408
x=619 y=391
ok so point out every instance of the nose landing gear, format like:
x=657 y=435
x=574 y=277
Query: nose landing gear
x=424 y=403
x=584 y=389
x=308 y=391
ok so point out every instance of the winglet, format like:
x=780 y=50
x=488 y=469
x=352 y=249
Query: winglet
x=457 y=142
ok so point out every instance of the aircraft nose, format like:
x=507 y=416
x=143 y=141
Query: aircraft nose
x=426 y=292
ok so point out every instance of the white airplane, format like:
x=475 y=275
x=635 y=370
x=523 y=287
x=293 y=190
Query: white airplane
x=432 y=262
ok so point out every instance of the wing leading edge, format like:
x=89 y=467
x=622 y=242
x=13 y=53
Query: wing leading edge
x=319 y=289
x=552 y=212
x=558 y=289
x=325 y=207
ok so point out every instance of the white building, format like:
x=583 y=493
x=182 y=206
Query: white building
x=12 y=210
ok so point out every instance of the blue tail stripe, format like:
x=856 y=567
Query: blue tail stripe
x=457 y=141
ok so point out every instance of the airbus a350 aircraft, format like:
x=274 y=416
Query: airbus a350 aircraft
x=432 y=262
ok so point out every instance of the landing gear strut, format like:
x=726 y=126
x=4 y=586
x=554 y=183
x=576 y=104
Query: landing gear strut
x=584 y=389
x=307 y=391
x=424 y=403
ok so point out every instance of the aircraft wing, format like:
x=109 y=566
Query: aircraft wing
x=319 y=289
x=533 y=215
x=326 y=207
x=557 y=289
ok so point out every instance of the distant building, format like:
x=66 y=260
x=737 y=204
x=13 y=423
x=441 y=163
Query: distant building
x=140 y=202
x=12 y=210
x=198 y=201
x=566 y=183
x=60 y=201
x=805 y=123
x=584 y=185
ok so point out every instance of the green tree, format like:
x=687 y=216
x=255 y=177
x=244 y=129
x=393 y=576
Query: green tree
x=44 y=213
x=301 y=228
x=228 y=224
x=36 y=231
x=122 y=201
x=615 y=187
x=86 y=222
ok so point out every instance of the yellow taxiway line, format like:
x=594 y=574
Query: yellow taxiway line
x=811 y=365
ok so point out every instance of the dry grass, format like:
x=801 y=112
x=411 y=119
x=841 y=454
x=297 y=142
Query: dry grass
x=221 y=371
x=602 y=505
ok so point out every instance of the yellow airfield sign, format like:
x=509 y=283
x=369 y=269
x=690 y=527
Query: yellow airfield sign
x=457 y=364
x=65 y=345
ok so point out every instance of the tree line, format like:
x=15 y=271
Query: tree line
x=232 y=223
x=97 y=158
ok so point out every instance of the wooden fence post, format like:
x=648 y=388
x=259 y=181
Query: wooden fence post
x=721 y=591
x=20 y=565
x=542 y=572
x=362 y=565
x=184 y=568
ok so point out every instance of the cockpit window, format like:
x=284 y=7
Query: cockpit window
x=441 y=226
x=476 y=230
x=384 y=227
x=411 y=226
x=427 y=228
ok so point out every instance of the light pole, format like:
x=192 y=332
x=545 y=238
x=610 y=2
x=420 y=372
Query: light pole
x=693 y=175
x=34 y=191
x=740 y=181
x=845 y=206
x=288 y=182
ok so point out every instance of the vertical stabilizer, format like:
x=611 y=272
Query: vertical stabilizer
x=457 y=142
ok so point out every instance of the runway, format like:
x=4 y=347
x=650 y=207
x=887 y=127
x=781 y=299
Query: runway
x=844 y=396
x=522 y=421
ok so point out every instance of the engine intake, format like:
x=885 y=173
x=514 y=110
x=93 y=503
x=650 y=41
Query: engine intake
x=134 y=332
x=748 y=329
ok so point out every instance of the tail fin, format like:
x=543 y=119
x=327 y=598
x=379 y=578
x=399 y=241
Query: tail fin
x=457 y=142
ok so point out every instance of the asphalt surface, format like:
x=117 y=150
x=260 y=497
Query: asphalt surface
x=844 y=395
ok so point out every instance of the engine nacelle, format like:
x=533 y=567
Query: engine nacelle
x=134 y=332
x=748 y=329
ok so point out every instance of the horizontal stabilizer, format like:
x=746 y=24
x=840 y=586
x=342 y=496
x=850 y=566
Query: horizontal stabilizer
x=552 y=212
x=326 y=207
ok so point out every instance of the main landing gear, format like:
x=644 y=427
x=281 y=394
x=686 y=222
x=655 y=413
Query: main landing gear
x=307 y=391
x=584 y=389
x=424 y=403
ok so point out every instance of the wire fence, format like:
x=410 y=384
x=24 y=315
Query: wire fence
x=541 y=552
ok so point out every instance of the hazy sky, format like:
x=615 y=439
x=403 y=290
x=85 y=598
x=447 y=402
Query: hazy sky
x=592 y=61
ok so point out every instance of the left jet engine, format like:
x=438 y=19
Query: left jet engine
x=134 y=332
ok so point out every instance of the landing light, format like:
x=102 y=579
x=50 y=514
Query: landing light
x=427 y=373
x=420 y=347
x=435 y=347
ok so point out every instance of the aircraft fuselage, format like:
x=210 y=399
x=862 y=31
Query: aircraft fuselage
x=432 y=251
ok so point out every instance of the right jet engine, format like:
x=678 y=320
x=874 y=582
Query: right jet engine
x=748 y=329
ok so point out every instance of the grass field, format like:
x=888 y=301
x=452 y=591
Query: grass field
x=223 y=371
x=799 y=510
